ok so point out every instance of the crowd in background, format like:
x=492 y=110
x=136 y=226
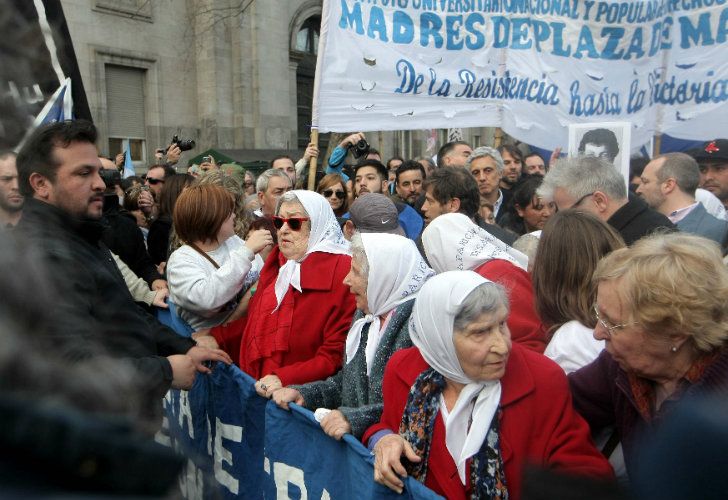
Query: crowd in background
x=466 y=316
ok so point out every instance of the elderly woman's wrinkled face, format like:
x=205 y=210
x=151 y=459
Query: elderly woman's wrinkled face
x=635 y=351
x=357 y=282
x=293 y=244
x=483 y=347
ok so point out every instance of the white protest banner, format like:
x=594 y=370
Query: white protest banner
x=531 y=67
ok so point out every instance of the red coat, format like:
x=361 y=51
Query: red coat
x=306 y=335
x=539 y=426
x=523 y=321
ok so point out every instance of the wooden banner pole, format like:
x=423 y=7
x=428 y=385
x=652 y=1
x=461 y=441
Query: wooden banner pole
x=313 y=162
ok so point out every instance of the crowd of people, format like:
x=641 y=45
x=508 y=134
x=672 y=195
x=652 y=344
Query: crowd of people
x=468 y=317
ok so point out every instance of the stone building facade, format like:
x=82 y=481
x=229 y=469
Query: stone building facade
x=230 y=74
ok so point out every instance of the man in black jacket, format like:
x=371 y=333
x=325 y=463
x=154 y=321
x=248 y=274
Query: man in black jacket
x=594 y=185
x=94 y=314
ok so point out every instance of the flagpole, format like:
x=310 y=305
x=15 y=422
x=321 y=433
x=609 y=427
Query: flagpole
x=323 y=35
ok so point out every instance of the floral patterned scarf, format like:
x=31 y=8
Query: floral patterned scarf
x=418 y=423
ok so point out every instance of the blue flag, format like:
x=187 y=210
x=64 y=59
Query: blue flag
x=128 y=165
x=58 y=108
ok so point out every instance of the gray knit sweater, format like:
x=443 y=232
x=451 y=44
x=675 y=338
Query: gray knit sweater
x=350 y=391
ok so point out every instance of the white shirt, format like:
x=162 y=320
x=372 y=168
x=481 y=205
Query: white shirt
x=498 y=203
x=677 y=215
x=200 y=291
x=573 y=346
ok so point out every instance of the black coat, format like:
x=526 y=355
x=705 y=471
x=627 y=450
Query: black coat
x=158 y=239
x=54 y=450
x=636 y=219
x=94 y=313
x=123 y=237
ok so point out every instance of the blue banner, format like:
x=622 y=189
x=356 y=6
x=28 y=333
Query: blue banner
x=303 y=462
x=240 y=448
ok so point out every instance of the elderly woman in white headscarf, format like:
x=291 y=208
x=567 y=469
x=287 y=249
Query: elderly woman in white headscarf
x=295 y=327
x=452 y=242
x=467 y=408
x=387 y=271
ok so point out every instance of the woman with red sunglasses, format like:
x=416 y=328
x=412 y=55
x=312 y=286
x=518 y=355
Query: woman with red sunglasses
x=296 y=325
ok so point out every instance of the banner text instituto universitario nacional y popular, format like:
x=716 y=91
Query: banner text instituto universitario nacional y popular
x=531 y=67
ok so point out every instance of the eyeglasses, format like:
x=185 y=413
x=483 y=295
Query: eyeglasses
x=154 y=182
x=339 y=194
x=581 y=200
x=294 y=223
x=610 y=328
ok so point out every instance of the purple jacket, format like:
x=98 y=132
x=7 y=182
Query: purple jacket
x=602 y=395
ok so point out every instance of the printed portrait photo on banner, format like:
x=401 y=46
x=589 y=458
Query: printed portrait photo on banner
x=607 y=140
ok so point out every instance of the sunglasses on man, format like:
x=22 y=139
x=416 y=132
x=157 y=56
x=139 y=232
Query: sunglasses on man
x=294 y=223
x=329 y=192
x=154 y=182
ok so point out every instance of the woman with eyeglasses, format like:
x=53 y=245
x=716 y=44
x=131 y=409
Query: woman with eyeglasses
x=333 y=188
x=296 y=324
x=662 y=312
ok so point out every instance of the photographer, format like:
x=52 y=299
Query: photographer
x=361 y=150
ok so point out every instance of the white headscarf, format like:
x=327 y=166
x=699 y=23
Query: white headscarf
x=454 y=242
x=325 y=236
x=397 y=271
x=431 y=330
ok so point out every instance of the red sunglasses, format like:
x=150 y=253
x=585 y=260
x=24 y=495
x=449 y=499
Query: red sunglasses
x=294 y=223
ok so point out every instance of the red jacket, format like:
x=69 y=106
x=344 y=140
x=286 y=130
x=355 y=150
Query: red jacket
x=523 y=321
x=306 y=335
x=539 y=426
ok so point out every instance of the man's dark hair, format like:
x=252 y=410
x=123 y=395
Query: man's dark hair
x=395 y=157
x=168 y=171
x=37 y=153
x=410 y=165
x=511 y=150
x=381 y=169
x=129 y=182
x=446 y=149
x=602 y=137
x=452 y=182
x=280 y=157
x=529 y=155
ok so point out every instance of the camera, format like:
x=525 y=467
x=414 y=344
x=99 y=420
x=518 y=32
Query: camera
x=110 y=177
x=361 y=148
x=183 y=144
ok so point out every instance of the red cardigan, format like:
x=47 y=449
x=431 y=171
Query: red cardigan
x=523 y=321
x=539 y=426
x=308 y=331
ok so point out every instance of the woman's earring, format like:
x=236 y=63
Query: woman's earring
x=674 y=349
